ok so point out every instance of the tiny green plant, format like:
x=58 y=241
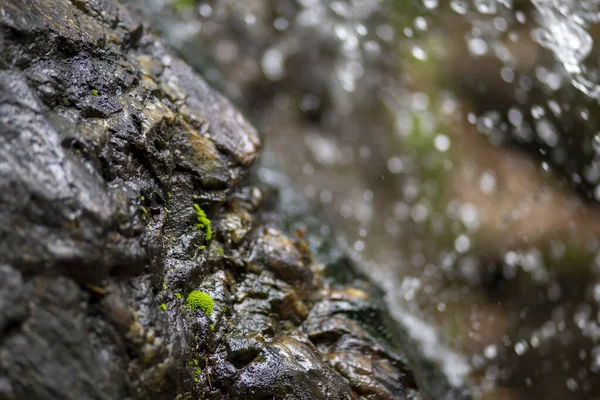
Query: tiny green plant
x=203 y=222
x=163 y=306
x=95 y=92
x=198 y=300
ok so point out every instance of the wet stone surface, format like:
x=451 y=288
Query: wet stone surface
x=114 y=157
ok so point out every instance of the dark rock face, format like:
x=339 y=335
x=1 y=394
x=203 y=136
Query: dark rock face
x=108 y=146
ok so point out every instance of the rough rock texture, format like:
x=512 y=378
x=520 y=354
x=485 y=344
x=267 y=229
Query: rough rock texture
x=108 y=144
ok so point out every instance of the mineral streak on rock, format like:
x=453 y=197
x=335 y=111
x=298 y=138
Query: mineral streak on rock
x=109 y=145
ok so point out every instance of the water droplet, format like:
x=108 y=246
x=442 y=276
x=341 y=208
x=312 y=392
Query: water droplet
x=500 y=24
x=395 y=165
x=478 y=46
x=521 y=348
x=597 y=193
x=487 y=183
x=441 y=143
x=280 y=24
x=431 y=4
x=205 y=10
x=547 y=132
x=572 y=384
x=359 y=245
x=326 y=196
x=490 y=351
x=596 y=143
x=469 y=216
x=385 y=32
x=250 y=19
x=486 y=6
x=460 y=6
x=507 y=74
x=515 y=116
x=421 y=23
x=419 y=212
x=419 y=53
x=462 y=244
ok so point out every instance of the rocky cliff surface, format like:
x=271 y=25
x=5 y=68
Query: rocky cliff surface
x=138 y=256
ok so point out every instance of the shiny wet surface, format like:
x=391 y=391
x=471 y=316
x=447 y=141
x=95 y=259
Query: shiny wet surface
x=454 y=148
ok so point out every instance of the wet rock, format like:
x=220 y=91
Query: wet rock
x=288 y=369
x=281 y=255
x=51 y=354
x=344 y=327
x=54 y=212
x=12 y=298
x=237 y=222
x=109 y=147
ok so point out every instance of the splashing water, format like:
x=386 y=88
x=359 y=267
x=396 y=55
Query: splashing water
x=564 y=30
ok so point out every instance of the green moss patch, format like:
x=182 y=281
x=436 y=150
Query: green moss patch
x=198 y=300
x=203 y=222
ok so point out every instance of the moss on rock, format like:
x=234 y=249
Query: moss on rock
x=200 y=300
x=203 y=222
